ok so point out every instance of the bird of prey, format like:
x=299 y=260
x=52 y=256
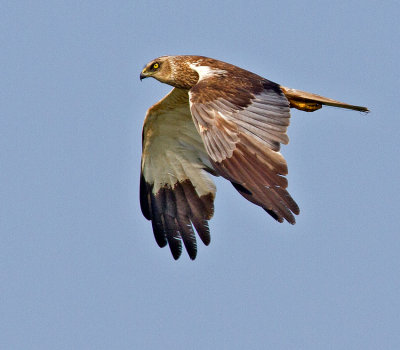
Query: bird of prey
x=218 y=120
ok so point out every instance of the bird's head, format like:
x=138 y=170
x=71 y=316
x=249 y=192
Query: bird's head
x=160 y=69
x=172 y=70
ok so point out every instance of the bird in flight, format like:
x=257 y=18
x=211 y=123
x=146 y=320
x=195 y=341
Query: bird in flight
x=218 y=120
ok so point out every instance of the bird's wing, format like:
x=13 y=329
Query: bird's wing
x=176 y=189
x=242 y=119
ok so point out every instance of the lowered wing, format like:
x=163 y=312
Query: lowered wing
x=176 y=190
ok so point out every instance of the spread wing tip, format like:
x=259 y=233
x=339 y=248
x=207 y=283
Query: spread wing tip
x=289 y=218
x=175 y=212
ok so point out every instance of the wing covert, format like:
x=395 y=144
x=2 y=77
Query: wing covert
x=242 y=119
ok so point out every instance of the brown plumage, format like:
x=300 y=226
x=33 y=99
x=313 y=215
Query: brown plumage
x=218 y=120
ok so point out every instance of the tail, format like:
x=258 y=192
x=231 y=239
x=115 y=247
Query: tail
x=308 y=102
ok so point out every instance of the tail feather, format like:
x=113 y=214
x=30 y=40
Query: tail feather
x=308 y=102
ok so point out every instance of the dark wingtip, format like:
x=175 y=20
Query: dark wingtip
x=193 y=256
x=176 y=250
x=145 y=202
x=159 y=234
x=203 y=231
x=176 y=257
x=173 y=211
x=274 y=215
x=240 y=188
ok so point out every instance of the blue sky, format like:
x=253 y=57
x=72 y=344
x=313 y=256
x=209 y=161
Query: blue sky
x=79 y=267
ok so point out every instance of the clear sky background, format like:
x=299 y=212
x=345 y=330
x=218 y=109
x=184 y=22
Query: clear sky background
x=79 y=267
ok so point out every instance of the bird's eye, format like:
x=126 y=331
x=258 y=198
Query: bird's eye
x=155 y=66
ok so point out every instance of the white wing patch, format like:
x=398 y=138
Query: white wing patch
x=206 y=71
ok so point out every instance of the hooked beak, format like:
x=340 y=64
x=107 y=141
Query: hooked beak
x=142 y=76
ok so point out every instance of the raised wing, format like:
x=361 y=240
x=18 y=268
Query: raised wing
x=242 y=119
x=176 y=189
